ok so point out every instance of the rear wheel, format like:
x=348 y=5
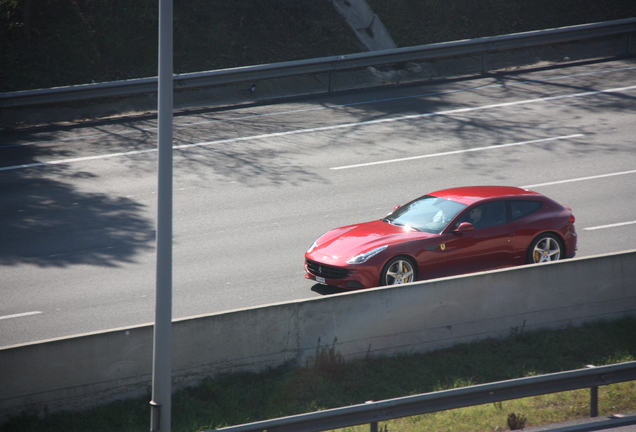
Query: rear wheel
x=399 y=270
x=545 y=248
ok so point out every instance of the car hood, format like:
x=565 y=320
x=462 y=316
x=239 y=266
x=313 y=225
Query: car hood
x=341 y=244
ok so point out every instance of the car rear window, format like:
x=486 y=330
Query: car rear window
x=520 y=209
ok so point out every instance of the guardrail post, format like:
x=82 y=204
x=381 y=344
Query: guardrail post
x=373 y=426
x=594 y=401
x=593 y=398
x=330 y=86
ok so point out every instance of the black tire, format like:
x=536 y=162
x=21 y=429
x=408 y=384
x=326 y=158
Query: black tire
x=398 y=270
x=545 y=248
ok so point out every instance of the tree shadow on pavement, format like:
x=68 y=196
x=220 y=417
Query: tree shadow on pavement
x=46 y=221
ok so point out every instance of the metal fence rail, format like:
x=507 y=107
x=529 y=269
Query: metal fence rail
x=325 y=64
x=373 y=412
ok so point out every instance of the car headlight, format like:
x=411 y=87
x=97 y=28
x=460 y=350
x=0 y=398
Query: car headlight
x=312 y=247
x=359 y=259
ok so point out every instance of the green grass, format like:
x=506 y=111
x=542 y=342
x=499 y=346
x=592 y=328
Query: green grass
x=330 y=382
x=416 y=22
x=47 y=43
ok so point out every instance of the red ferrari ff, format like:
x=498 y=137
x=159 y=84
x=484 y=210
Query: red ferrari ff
x=448 y=232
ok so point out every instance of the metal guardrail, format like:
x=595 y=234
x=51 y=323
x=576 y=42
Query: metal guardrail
x=373 y=412
x=324 y=64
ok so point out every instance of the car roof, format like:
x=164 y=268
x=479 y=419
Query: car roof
x=471 y=194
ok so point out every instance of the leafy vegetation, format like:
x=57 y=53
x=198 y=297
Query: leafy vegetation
x=329 y=382
x=417 y=22
x=47 y=43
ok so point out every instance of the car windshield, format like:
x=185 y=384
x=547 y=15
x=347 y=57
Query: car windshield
x=428 y=214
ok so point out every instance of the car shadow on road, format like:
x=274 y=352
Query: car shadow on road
x=327 y=289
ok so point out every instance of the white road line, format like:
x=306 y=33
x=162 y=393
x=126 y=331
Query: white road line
x=491 y=147
x=609 y=226
x=202 y=122
x=579 y=179
x=81 y=159
x=333 y=127
x=20 y=315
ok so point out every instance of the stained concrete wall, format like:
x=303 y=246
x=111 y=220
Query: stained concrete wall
x=366 y=25
x=91 y=369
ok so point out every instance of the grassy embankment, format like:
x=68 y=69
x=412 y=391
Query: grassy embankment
x=48 y=43
x=331 y=382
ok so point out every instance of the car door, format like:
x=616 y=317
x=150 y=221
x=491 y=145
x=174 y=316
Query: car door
x=432 y=258
x=489 y=245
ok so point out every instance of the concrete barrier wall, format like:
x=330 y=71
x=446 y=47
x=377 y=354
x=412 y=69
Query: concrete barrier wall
x=91 y=369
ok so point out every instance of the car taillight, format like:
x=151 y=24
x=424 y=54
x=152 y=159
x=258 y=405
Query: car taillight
x=572 y=219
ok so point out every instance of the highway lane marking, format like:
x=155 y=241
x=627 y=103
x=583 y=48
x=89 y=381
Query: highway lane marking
x=330 y=128
x=20 y=315
x=594 y=177
x=453 y=152
x=79 y=159
x=609 y=226
x=143 y=130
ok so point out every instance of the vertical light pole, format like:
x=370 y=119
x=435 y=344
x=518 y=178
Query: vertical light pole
x=162 y=342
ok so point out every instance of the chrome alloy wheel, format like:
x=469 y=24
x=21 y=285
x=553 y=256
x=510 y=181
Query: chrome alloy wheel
x=398 y=271
x=546 y=249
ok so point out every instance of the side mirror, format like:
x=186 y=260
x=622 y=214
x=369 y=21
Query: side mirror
x=396 y=207
x=465 y=226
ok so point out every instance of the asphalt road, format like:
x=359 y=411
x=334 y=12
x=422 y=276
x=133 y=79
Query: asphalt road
x=254 y=186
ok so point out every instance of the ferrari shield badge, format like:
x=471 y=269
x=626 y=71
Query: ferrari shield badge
x=442 y=246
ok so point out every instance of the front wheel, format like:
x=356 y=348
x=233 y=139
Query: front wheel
x=399 y=270
x=545 y=248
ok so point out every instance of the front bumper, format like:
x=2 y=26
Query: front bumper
x=342 y=277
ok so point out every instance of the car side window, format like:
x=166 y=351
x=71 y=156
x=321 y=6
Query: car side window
x=520 y=209
x=486 y=215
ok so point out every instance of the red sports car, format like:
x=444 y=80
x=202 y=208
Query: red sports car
x=448 y=232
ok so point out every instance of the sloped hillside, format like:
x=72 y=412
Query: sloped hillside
x=419 y=22
x=47 y=43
